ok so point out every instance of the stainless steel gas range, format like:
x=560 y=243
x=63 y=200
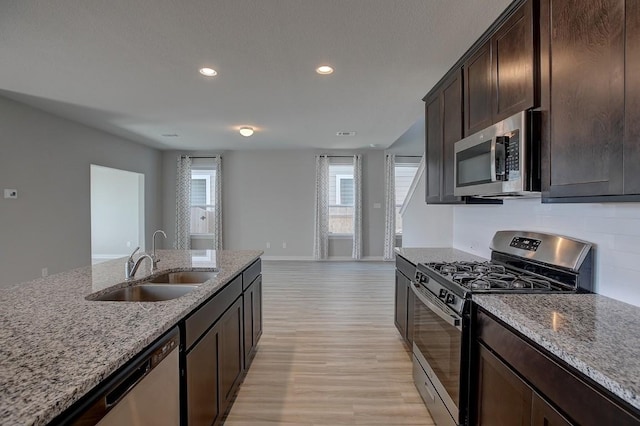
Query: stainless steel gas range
x=523 y=262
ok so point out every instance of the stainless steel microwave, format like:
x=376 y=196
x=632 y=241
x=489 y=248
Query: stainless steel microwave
x=501 y=161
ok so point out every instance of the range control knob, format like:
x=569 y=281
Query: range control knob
x=443 y=293
x=451 y=299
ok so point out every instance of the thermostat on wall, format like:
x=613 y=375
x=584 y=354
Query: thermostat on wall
x=10 y=193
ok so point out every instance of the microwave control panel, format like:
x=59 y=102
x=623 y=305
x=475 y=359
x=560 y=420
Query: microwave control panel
x=512 y=161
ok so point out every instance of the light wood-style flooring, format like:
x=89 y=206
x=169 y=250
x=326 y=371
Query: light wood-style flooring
x=330 y=353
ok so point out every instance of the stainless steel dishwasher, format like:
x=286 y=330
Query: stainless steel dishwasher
x=146 y=392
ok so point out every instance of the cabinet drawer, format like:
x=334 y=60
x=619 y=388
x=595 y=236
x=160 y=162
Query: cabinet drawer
x=211 y=310
x=251 y=273
x=407 y=268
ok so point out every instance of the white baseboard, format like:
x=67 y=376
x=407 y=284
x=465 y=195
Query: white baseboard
x=331 y=259
x=295 y=258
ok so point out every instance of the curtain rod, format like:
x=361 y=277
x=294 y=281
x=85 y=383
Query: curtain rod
x=185 y=156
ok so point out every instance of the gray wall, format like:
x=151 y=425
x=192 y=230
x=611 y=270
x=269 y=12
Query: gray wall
x=268 y=196
x=47 y=159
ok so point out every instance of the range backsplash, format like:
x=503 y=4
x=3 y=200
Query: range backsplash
x=613 y=227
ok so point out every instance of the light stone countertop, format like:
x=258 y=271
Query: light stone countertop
x=437 y=254
x=57 y=346
x=598 y=336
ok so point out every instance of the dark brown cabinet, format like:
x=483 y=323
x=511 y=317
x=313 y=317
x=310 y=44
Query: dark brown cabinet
x=500 y=76
x=230 y=354
x=202 y=380
x=433 y=149
x=404 y=299
x=502 y=397
x=443 y=129
x=477 y=90
x=252 y=319
x=632 y=99
x=215 y=356
x=513 y=68
x=583 y=96
x=506 y=368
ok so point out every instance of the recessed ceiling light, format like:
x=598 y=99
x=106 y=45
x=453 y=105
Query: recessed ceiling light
x=246 y=131
x=208 y=72
x=343 y=133
x=170 y=135
x=324 y=69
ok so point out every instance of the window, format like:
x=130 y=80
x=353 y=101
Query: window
x=341 y=196
x=203 y=198
x=405 y=172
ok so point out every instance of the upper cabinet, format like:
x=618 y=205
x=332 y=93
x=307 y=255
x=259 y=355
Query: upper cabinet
x=477 y=90
x=583 y=98
x=443 y=123
x=632 y=99
x=500 y=75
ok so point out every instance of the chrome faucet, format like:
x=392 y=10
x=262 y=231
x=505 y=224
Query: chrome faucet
x=154 y=257
x=131 y=267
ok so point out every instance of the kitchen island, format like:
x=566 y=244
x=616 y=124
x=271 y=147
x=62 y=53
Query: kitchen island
x=57 y=345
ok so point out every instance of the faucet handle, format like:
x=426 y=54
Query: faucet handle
x=134 y=252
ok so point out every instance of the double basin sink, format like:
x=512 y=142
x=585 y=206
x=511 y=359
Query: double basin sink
x=167 y=286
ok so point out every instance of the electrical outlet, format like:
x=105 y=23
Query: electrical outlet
x=284 y=244
x=11 y=193
x=268 y=244
x=45 y=272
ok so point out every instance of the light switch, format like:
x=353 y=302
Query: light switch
x=377 y=205
x=11 y=193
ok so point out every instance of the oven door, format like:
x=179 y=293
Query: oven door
x=437 y=348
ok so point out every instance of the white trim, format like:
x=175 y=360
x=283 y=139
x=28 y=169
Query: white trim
x=340 y=236
x=109 y=256
x=293 y=258
x=413 y=186
x=201 y=236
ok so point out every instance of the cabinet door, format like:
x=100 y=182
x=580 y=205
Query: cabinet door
x=411 y=307
x=252 y=319
x=433 y=149
x=632 y=100
x=477 y=93
x=230 y=353
x=401 y=304
x=586 y=97
x=451 y=133
x=543 y=414
x=503 y=398
x=513 y=64
x=202 y=380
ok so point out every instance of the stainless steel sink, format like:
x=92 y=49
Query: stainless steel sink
x=185 y=277
x=147 y=293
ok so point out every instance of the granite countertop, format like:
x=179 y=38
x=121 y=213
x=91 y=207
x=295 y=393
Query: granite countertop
x=437 y=254
x=57 y=345
x=596 y=335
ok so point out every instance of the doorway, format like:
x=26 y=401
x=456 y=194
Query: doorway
x=117 y=213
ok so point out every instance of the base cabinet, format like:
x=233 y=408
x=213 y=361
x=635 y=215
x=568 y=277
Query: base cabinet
x=404 y=299
x=516 y=383
x=218 y=337
x=252 y=319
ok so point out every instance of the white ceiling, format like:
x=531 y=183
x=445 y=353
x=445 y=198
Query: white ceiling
x=130 y=67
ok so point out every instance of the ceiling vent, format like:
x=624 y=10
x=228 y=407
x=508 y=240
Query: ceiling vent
x=346 y=133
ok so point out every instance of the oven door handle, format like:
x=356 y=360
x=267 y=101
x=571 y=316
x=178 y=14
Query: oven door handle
x=449 y=319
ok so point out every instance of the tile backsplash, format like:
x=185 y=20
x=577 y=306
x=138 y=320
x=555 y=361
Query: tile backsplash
x=613 y=227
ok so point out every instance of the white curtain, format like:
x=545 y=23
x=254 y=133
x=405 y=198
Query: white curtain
x=321 y=231
x=357 y=210
x=217 y=233
x=183 y=204
x=389 y=206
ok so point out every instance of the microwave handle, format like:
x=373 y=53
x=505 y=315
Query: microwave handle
x=498 y=154
x=494 y=178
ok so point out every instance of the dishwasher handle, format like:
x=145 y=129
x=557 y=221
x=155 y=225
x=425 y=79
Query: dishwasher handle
x=114 y=396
